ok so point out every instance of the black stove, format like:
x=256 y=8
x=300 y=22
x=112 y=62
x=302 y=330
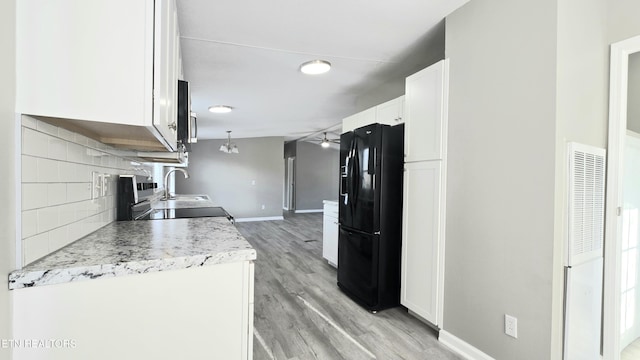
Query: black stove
x=163 y=214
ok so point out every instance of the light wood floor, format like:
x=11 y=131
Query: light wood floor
x=301 y=314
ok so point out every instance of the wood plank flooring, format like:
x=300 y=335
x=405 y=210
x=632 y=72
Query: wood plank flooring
x=301 y=314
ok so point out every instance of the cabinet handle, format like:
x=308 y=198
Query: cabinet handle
x=173 y=126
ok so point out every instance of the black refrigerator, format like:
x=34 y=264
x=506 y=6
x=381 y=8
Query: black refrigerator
x=370 y=215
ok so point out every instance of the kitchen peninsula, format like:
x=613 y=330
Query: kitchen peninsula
x=161 y=289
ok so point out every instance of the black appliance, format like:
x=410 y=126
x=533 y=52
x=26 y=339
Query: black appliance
x=133 y=193
x=134 y=203
x=187 y=124
x=370 y=215
x=163 y=214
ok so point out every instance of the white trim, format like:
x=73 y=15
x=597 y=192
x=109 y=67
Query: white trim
x=617 y=129
x=267 y=218
x=18 y=188
x=308 y=211
x=443 y=196
x=461 y=347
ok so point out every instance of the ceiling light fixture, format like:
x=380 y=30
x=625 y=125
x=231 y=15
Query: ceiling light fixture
x=220 y=109
x=229 y=147
x=325 y=143
x=315 y=67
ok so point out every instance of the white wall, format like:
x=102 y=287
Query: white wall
x=500 y=187
x=581 y=116
x=228 y=178
x=57 y=208
x=7 y=162
x=317 y=175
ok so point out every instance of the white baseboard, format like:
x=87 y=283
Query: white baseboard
x=461 y=347
x=308 y=211
x=268 y=218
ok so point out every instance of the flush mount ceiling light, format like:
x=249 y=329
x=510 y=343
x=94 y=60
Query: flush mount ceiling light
x=229 y=147
x=220 y=109
x=315 y=67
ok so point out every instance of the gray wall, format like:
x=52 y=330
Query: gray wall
x=427 y=50
x=517 y=98
x=633 y=104
x=622 y=20
x=316 y=174
x=500 y=181
x=228 y=178
x=7 y=161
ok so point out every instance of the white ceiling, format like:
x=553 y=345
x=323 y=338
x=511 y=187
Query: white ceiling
x=246 y=54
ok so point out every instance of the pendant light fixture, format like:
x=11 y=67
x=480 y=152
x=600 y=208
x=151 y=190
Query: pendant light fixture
x=229 y=147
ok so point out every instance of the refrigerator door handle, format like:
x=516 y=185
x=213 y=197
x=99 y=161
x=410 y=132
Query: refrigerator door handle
x=343 y=179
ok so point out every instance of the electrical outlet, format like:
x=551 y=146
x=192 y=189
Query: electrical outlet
x=104 y=184
x=511 y=326
x=263 y=206
x=253 y=182
x=96 y=185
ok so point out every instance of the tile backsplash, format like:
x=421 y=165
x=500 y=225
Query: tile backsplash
x=57 y=166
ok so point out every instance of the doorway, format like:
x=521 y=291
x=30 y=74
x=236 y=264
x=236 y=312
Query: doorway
x=289 y=184
x=621 y=321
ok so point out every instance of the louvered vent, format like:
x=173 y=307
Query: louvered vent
x=586 y=203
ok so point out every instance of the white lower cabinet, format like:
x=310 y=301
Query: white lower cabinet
x=330 y=233
x=422 y=240
x=197 y=313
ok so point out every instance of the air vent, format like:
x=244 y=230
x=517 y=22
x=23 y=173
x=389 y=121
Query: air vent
x=586 y=203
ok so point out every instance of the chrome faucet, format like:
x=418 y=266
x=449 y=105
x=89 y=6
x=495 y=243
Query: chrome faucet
x=166 y=180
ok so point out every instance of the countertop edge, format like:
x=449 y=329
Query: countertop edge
x=20 y=279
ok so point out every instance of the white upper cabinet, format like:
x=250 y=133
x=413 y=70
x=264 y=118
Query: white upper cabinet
x=358 y=120
x=391 y=112
x=101 y=65
x=426 y=101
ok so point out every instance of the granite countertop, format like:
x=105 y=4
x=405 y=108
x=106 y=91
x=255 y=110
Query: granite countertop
x=136 y=247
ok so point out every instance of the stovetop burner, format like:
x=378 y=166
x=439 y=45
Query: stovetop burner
x=163 y=214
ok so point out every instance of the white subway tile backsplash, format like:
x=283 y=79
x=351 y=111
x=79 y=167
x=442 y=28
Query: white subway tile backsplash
x=29 y=223
x=47 y=128
x=35 y=247
x=67 y=171
x=67 y=213
x=57 y=149
x=34 y=196
x=78 y=191
x=29 y=169
x=56 y=186
x=48 y=218
x=34 y=143
x=66 y=134
x=48 y=170
x=58 y=238
x=29 y=122
x=56 y=194
x=75 y=152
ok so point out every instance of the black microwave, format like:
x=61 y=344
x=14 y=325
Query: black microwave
x=187 y=122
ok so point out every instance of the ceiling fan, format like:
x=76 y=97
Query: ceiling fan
x=325 y=142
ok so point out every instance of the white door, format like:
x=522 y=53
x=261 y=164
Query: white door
x=421 y=239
